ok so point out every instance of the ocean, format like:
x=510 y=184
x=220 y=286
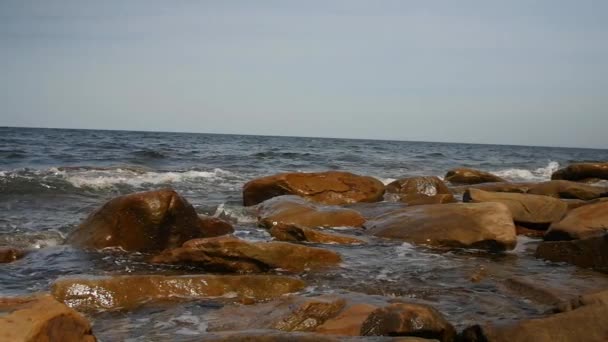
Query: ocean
x=50 y=179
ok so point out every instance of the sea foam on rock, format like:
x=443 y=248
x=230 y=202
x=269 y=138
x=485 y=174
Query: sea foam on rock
x=421 y=190
x=145 y=221
x=471 y=225
x=129 y=292
x=298 y=211
x=331 y=187
x=230 y=254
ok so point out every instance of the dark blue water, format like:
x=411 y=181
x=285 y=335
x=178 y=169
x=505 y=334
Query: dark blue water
x=50 y=179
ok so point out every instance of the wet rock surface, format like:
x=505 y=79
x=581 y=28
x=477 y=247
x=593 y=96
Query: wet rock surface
x=145 y=221
x=8 y=254
x=589 y=253
x=230 y=254
x=129 y=292
x=471 y=176
x=525 y=208
x=332 y=187
x=474 y=225
x=582 y=171
x=297 y=211
x=42 y=318
x=420 y=190
x=213 y=226
x=583 y=222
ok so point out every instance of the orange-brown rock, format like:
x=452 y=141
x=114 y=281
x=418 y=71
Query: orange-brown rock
x=525 y=208
x=128 y=292
x=422 y=200
x=470 y=176
x=293 y=233
x=534 y=233
x=408 y=319
x=580 y=223
x=348 y=322
x=473 y=225
x=10 y=254
x=588 y=323
x=145 y=221
x=589 y=253
x=332 y=187
x=300 y=212
x=421 y=190
x=568 y=189
x=43 y=319
x=581 y=171
x=213 y=226
x=495 y=187
x=230 y=254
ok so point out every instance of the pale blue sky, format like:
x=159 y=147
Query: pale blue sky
x=507 y=72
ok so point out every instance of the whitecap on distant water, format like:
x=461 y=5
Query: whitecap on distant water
x=539 y=174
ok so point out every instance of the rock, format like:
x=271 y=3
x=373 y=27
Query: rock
x=588 y=253
x=348 y=322
x=568 y=189
x=145 y=222
x=293 y=233
x=580 y=223
x=266 y=336
x=598 y=297
x=128 y=292
x=427 y=186
x=588 y=323
x=531 y=209
x=372 y=210
x=533 y=290
x=533 y=233
x=332 y=187
x=422 y=200
x=406 y=319
x=43 y=319
x=495 y=187
x=297 y=211
x=473 y=225
x=213 y=226
x=230 y=254
x=471 y=176
x=581 y=171
x=10 y=254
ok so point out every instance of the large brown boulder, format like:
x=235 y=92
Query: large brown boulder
x=588 y=253
x=473 y=225
x=581 y=171
x=128 y=292
x=568 y=189
x=145 y=221
x=293 y=233
x=408 y=319
x=533 y=209
x=10 y=254
x=332 y=187
x=580 y=223
x=421 y=190
x=42 y=319
x=470 y=176
x=300 y=212
x=588 y=323
x=230 y=254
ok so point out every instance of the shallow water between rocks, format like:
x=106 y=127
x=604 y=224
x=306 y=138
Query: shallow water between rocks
x=51 y=179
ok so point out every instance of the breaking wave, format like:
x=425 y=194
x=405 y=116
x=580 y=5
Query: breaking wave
x=539 y=174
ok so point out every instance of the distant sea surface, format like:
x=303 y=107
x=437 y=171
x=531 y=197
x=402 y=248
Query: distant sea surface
x=50 y=179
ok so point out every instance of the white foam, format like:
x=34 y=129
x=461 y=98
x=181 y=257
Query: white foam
x=540 y=174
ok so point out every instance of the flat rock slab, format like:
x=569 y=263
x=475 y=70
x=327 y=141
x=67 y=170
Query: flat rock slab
x=569 y=190
x=470 y=225
x=230 y=254
x=128 y=292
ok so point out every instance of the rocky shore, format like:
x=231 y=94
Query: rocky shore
x=261 y=285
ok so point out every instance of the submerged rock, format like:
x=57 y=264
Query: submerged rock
x=588 y=253
x=588 y=323
x=331 y=187
x=473 y=225
x=42 y=319
x=128 y=292
x=581 y=171
x=145 y=221
x=570 y=190
x=300 y=212
x=532 y=209
x=583 y=222
x=11 y=254
x=407 y=319
x=230 y=254
x=471 y=176
x=289 y=232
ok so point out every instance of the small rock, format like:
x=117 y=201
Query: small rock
x=8 y=254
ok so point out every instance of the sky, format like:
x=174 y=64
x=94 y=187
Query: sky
x=524 y=72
